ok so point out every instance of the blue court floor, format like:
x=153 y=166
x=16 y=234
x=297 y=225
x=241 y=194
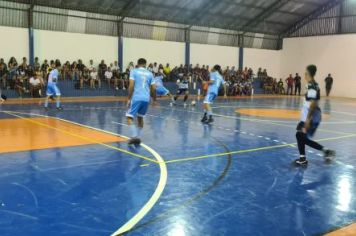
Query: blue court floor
x=232 y=178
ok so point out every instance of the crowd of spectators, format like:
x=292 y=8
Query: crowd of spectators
x=31 y=79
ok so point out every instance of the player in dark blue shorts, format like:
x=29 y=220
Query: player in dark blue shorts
x=183 y=88
x=310 y=119
x=142 y=87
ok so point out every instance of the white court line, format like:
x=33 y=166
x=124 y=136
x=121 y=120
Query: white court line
x=155 y=196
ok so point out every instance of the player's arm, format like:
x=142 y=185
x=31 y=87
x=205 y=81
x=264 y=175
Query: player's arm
x=225 y=89
x=131 y=88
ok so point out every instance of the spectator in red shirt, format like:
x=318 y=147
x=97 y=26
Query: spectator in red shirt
x=290 y=83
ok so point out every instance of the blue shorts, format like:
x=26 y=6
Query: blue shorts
x=137 y=108
x=52 y=89
x=162 y=91
x=209 y=98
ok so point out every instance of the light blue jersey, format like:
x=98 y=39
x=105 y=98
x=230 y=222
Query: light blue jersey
x=143 y=81
x=159 y=81
x=217 y=80
x=53 y=77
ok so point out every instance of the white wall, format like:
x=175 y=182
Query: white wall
x=266 y=59
x=213 y=54
x=153 y=51
x=73 y=46
x=331 y=54
x=13 y=42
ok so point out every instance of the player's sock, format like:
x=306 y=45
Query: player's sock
x=139 y=132
x=58 y=103
x=134 y=131
x=46 y=103
x=210 y=113
x=185 y=98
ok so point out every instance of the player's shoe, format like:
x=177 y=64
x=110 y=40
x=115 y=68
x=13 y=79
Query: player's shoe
x=59 y=108
x=302 y=161
x=45 y=108
x=329 y=155
x=134 y=141
x=185 y=104
x=204 y=119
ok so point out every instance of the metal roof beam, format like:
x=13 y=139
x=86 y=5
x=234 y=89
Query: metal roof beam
x=264 y=14
x=315 y=14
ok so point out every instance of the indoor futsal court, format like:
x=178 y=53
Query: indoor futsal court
x=177 y=118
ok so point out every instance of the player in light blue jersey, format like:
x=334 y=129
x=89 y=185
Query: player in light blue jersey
x=160 y=89
x=52 y=88
x=216 y=80
x=142 y=88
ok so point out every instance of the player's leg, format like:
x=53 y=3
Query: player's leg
x=58 y=98
x=2 y=98
x=208 y=114
x=130 y=115
x=49 y=93
x=179 y=92
x=186 y=96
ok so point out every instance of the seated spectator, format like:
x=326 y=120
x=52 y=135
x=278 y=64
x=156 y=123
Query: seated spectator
x=75 y=72
x=44 y=68
x=115 y=67
x=12 y=68
x=109 y=76
x=80 y=66
x=36 y=85
x=150 y=67
x=20 y=85
x=155 y=68
x=85 y=78
x=118 y=81
x=94 y=79
x=66 y=71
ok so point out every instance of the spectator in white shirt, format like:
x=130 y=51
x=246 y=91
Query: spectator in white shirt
x=155 y=68
x=115 y=67
x=36 y=85
x=108 y=76
x=94 y=78
x=91 y=66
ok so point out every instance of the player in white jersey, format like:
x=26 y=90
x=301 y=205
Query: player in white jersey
x=52 y=88
x=183 y=88
x=310 y=119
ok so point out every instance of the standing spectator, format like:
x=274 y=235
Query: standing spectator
x=94 y=78
x=12 y=67
x=102 y=68
x=85 y=78
x=36 y=65
x=44 y=68
x=167 y=70
x=80 y=66
x=328 y=84
x=3 y=75
x=115 y=67
x=297 y=84
x=91 y=65
x=108 y=76
x=290 y=82
x=155 y=68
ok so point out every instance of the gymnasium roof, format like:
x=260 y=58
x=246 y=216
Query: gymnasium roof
x=258 y=16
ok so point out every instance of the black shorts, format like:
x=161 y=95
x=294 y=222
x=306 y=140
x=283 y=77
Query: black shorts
x=311 y=131
x=181 y=91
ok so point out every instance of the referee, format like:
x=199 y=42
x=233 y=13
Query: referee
x=310 y=119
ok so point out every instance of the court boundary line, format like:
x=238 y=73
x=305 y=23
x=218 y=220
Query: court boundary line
x=154 y=197
x=77 y=135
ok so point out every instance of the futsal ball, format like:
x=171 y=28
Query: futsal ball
x=193 y=103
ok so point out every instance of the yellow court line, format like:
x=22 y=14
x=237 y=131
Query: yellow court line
x=81 y=137
x=251 y=150
x=155 y=196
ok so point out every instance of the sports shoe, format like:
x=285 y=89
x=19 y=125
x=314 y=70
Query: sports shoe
x=301 y=161
x=60 y=108
x=204 y=119
x=134 y=141
x=329 y=155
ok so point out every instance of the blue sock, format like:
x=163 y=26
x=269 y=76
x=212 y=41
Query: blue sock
x=139 y=132
x=46 y=102
x=58 y=103
x=133 y=131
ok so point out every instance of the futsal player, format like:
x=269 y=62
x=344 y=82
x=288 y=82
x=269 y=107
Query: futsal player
x=160 y=89
x=216 y=80
x=52 y=88
x=142 y=87
x=183 y=88
x=310 y=119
